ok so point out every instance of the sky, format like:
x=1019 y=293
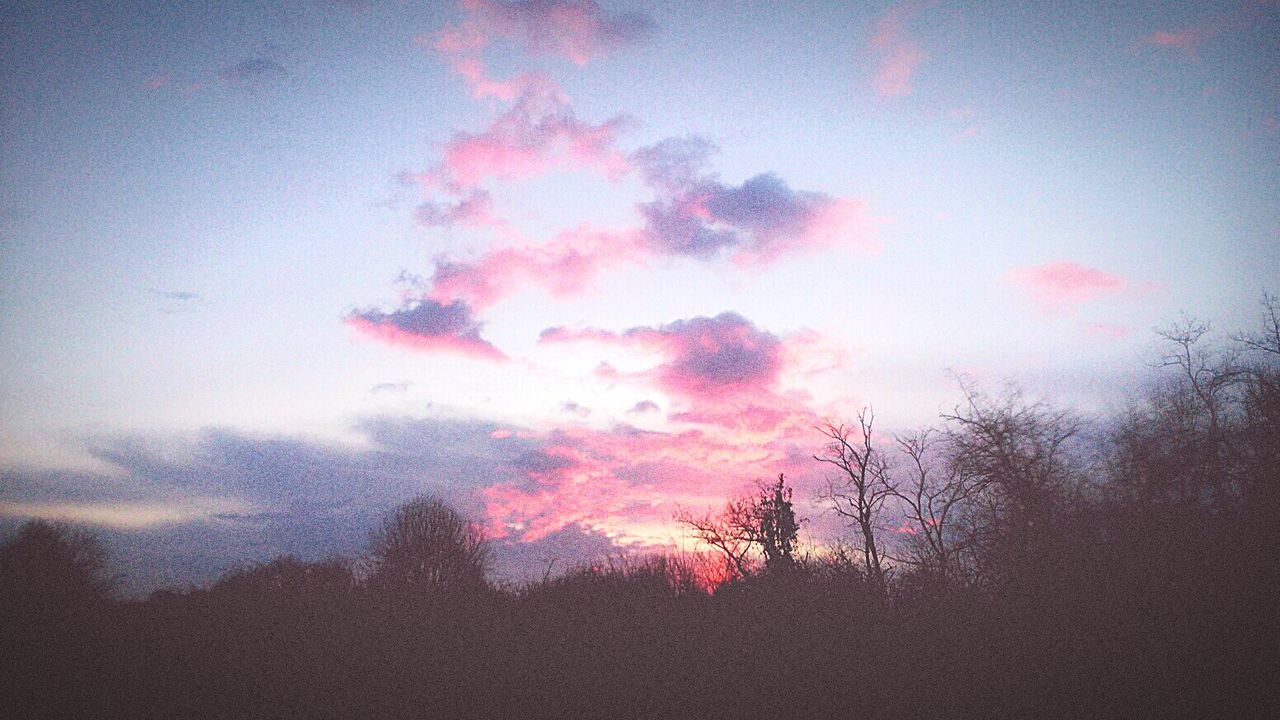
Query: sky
x=268 y=270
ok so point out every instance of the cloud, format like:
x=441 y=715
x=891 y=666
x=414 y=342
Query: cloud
x=760 y=220
x=579 y=30
x=565 y=265
x=1060 y=285
x=254 y=74
x=704 y=357
x=897 y=54
x=428 y=325
x=643 y=407
x=573 y=408
x=1190 y=38
x=627 y=483
x=179 y=295
x=399 y=387
x=475 y=208
x=538 y=133
x=1186 y=39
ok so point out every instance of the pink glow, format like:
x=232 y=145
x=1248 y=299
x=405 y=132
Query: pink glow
x=1187 y=39
x=896 y=67
x=623 y=477
x=898 y=55
x=537 y=134
x=155 y=82
x=1109 y=331
x=578 y=30
x=564 y=266
x=1062 y=284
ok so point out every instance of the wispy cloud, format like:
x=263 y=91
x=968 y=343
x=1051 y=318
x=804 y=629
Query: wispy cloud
x=1062 y=285
x=254 y=74
x=398 y=387
x=578 y=30
x=1191 y=38
x=897 y=54
x=178 y=295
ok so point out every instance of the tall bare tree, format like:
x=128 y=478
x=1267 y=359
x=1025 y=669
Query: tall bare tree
x=863 y=484
x=933 y=496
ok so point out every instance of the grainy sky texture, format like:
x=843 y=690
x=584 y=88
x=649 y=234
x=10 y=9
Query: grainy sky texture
x=269 y=269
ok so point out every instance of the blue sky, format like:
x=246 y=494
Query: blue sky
x=240 y=239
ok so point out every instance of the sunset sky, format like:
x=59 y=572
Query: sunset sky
x=269 y=269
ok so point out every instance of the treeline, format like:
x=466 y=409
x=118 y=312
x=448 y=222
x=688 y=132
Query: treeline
x=1012 y=562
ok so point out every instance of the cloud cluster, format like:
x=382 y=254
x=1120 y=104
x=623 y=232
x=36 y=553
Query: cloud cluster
x=694 y=214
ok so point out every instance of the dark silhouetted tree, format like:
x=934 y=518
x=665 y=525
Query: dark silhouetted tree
x=1018 y=457
x=290 y=581
x=426 y=545
x=759 y=527
x=863 y=484
x=49 y=569
x=934 y=495
x=778 y=528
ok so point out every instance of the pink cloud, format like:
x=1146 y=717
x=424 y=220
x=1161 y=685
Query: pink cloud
x=897 y=54
x=896 y=67
x=579 y=30
x=1063 y=284
x=696 y=215
x=427 y=325
x=565 y=265
x=705 y=357
x=1189 y=39
x=537 y=134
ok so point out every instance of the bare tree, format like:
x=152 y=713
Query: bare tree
x=863 y=485
x=1267 y=339
x=1015 y=456
x=762 y=525
x=425 y=544
x=731 y=532
x=49 y=568
x=933 y=497
x=1202 y=396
